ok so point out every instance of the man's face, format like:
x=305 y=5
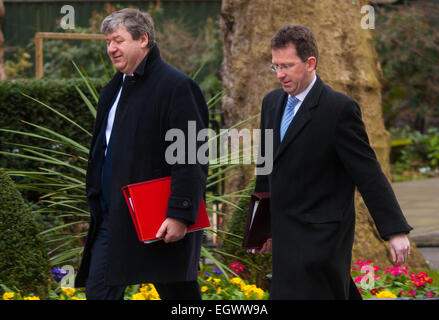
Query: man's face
x=125 y=52
x=294 y=74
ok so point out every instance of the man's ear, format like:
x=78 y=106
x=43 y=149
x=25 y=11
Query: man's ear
x=312 y=63
x=144 y=40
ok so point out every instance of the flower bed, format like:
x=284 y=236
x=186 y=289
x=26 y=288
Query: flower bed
x=392 y=282
x=214 y=283
x=371 y=281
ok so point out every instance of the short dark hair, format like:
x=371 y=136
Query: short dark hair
x=300 y=36
x=136 y=22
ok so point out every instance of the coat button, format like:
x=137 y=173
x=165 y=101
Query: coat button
x=185 y=203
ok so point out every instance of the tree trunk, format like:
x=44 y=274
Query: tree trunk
x=347 y=62
x=2 y=40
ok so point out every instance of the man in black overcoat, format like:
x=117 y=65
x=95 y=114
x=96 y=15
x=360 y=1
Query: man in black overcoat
x=143 y=100
x=321 y=152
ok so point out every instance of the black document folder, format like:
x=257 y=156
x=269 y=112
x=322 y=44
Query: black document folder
x=258 y=226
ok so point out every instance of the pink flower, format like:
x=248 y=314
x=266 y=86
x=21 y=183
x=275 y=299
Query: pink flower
x=359 y=262
x=236 y=267
x=396 y=271
x=421 y=279
x=374 y=291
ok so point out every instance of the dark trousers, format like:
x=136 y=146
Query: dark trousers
x=97 y=290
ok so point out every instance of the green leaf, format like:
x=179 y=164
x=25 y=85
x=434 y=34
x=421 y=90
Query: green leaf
x=58 y=113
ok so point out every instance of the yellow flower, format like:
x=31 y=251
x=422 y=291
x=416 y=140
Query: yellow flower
x=8 y=295
x=146 y=292
x=247 y=289
x=68 y=291
x=251 y=289
x=76 y=298
x=153 y=296
x=236 y=280
x=216 y=280
x=218 y=291
x=259 y=293
x=138 y=296
x=385 y=294
x=31 y=298
x=204 y=288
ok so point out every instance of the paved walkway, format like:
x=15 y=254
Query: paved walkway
x=419 y=200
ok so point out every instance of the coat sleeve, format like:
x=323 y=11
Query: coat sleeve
x=359 y=160
x=188 y=115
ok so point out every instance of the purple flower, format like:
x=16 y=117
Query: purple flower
x=58 y=273
x=217 y=271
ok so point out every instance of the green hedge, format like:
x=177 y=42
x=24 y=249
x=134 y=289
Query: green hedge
x=57 y=93
x=24 y=262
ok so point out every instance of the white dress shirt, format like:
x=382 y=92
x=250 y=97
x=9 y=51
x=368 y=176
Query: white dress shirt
x=110 y=120
x=301 y=96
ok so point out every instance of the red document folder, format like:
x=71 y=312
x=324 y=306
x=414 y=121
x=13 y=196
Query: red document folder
x=148 y=203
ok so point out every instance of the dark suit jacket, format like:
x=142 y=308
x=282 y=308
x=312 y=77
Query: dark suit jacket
x=157 y=99
x=324 y=155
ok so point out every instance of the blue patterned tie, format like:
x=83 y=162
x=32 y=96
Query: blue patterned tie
x=288 y=115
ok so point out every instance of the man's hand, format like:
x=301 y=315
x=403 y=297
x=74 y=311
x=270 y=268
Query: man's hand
x=399 y=248
x=172 y=230
x=266 y=248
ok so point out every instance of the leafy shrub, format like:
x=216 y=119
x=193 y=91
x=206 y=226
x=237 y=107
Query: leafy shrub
x=23 y=257
x=414 y=153
x=406 y=40
x=19 y=110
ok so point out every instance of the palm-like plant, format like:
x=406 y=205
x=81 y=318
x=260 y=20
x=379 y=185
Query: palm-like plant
x=61 y=181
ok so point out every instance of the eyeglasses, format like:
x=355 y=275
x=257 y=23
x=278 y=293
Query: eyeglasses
x=281 y=67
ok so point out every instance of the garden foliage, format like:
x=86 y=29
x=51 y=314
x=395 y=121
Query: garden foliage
x=414 y=154
x=24 y=262
x=20 y=110
x=406 y=40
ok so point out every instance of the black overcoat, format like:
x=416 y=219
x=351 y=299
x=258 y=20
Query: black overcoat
x=156 y=99
x=325 y=153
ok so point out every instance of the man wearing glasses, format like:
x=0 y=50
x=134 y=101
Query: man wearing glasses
x=321 y=153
